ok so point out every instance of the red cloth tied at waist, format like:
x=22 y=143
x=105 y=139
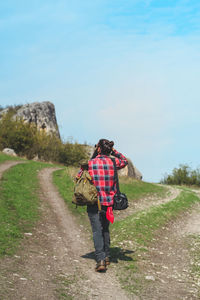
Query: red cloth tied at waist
x=109 y=214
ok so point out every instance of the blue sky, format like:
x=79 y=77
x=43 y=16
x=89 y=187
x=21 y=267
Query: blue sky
x=124 y=70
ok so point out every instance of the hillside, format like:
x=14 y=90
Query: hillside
x=46 y=250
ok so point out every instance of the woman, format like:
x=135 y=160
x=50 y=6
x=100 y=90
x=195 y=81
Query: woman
x=101 y=170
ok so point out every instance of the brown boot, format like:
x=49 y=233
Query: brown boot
x=107 y=261
x=101 y=266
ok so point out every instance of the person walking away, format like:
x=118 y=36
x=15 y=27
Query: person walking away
x=101 y=169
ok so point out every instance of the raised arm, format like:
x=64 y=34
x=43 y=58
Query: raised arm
x=121 y=160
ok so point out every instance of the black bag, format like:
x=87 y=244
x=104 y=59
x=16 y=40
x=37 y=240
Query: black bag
x=120 y=199
x=120 y=202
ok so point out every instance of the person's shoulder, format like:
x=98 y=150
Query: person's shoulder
x=93 y=160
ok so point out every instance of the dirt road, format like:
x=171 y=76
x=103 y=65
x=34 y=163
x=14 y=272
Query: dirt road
x=50 y=264
x=167 y=265
x=56 y=260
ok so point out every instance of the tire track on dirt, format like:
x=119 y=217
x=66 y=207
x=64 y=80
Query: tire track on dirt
x=76 y=244
x=168 y=261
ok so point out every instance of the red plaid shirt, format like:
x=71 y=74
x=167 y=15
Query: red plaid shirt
x=101 y=170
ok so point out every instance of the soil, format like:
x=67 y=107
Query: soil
x=56 y=259
x=167 y=266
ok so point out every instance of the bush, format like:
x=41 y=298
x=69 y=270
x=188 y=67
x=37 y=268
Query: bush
x=17 y=135
x=72 y=154
x=47 y=147
x=183 y=175
x=28 y=141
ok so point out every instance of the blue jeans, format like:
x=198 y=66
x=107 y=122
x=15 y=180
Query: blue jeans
x=100 y=230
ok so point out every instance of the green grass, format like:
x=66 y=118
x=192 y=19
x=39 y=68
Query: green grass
x=19 y=204
x=4 y=157
x=135 y=233
x=136 y=189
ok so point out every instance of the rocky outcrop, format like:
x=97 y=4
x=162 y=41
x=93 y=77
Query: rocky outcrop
x=130 y=171
x=42 y=114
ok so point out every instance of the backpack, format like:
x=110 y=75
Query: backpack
x=85 y=192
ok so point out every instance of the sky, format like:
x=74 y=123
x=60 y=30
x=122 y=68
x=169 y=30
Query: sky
x=125 y=70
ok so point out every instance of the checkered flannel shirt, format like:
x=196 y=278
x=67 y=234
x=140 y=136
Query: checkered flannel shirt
x=101 y=170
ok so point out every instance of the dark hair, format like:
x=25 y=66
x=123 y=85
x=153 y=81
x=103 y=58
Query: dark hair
x=106 y=146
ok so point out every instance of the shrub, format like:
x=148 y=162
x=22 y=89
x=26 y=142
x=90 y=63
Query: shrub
x=17 y=135
x=72 y=154
x=47 y=147
x=28 y=141
x=183 y=175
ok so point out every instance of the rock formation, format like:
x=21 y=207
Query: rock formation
x=41 y=114
x=9 y=151
x=130 y=171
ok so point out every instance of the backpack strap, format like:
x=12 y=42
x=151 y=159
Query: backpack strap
x=99 y=204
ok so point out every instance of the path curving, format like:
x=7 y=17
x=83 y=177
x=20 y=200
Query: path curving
x=7 y=165
x=147 y=202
